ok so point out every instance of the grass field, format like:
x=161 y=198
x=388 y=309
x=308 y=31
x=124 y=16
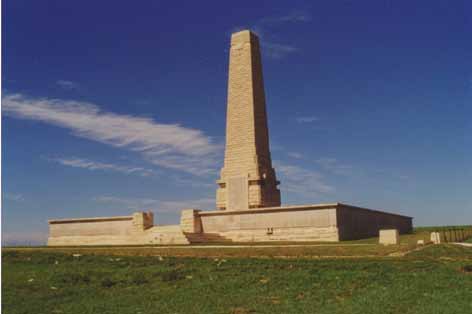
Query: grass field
x=436 y=279
x=358 y=248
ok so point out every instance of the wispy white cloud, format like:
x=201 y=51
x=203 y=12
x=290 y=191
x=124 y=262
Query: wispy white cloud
x=167 y=145
x=295 y=155
x=293 y=17
x=271 y=46
x=67 y=84
x=332 y=165
x=327 y=164
x=197 y=165
x=172 y=206
x=308 y=119
x=158 y=205
x=95 y=165
x=278 y=51
x=13 y=197
x=303 y=181
x=296 y=16
x=192 y=182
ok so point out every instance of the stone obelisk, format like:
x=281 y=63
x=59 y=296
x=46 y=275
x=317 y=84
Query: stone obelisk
x=247 y=179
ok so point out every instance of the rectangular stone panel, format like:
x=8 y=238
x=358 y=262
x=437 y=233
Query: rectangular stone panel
x=262 y=220
x=237 y=193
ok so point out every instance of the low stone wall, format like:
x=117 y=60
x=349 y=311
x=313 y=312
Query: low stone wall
x=90 y=231
x=137 y=229
x=358 y=223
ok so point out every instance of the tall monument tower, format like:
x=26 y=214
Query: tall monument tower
x=247 y=179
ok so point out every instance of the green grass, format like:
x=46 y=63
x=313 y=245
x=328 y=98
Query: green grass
x=365 y=247
x=448 y=233
x=371 y=250
x=437 y=279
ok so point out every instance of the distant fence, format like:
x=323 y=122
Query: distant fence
x=454 y=234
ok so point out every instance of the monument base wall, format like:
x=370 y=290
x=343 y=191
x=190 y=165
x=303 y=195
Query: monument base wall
x=301 y=234
x=289 y=223
x=358 y=223
x=305 y=223
x=323 y=222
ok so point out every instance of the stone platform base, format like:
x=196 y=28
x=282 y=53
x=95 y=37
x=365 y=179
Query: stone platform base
x=322 y=222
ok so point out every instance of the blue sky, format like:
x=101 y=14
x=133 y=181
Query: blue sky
x=112 y=107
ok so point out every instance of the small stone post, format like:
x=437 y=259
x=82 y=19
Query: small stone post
x=190 y=221
x=436 y=237
x=143 y=220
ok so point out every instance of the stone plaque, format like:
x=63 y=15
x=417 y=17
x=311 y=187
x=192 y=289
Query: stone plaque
x=237 y=193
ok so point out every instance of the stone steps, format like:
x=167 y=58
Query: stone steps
x=206 y=238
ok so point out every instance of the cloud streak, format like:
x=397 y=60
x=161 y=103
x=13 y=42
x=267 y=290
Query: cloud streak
x=292 y=17
x=157 y=205
x=264 y=27
x=167 y=145
x=13 y=197
x=94 y=165
x=274 y=49
x=308 y=119
x=332 y=165
x=302 y=181
x=69 y=85
x=295 y=155
x=278 y=51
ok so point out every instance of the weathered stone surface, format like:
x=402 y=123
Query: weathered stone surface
x=237 y=193
x=247 y=155
x=143 y=221
x=320 y=222
x=190 y=221
x=120 y=230
x=357 y=223
x=389 y=236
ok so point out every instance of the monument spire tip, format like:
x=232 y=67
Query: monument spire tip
x=244 y=35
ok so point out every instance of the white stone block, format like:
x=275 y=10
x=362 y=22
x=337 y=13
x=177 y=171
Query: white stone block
x=436 y=237
x=389 y=236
